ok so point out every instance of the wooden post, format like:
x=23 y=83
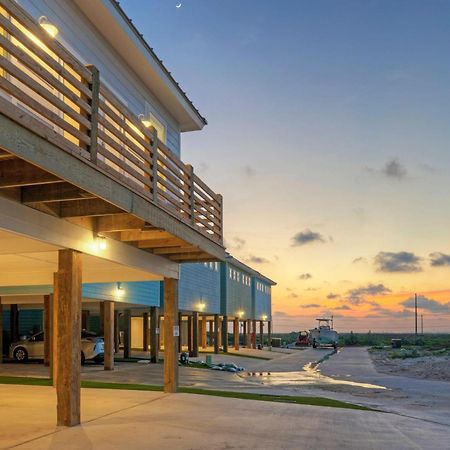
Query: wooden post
x=244 y=332
x=1 y=331
x=145 y=332
x=249 y=333
x=54 y=299
x=47 y=325
x=269 y=333
x=203 y=332
x=225 y=333
x=126 y=333
x=189 y=333
x=160 y=318
x=220 y=200
x=69 y=338
x=101 y=319
x=171 y=326
x=236 y=333
x=154 y=164
x=180 y=336
x=108 y=328
x=261 y=333
x=195 y=334
x=211 y=333
x=154 y=334
x=14 y=323
x=216 y=333
x=254 y=334
x=85 y=313
x=190 y=175
x=94 y=86
x=116 y=332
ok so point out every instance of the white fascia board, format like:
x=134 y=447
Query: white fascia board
x=23 y=220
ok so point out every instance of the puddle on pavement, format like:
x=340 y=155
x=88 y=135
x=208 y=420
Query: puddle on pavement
x=310 y=375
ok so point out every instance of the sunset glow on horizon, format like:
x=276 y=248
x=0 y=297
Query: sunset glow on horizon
x=328 y=136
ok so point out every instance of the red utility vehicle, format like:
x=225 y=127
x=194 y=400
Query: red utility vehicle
x=302 y=339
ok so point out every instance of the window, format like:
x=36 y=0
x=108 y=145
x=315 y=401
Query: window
x=159 y=126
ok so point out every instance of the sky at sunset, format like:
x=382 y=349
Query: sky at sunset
x=329 y=138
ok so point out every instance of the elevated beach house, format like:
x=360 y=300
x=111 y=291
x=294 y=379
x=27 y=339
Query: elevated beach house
x=92 y=187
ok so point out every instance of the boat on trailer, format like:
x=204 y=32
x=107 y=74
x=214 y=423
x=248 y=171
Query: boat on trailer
x=323 y=335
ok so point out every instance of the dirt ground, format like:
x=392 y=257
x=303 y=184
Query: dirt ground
x=425 y=367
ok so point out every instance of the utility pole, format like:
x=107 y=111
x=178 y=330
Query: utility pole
x=421 y=323
x=415 y=311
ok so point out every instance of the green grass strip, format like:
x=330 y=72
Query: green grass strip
x=298 y=400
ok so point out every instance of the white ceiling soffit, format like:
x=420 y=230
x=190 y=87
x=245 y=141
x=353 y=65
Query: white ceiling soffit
x=106 y=17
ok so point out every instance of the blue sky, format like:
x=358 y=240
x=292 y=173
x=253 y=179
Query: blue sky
x=328 y=116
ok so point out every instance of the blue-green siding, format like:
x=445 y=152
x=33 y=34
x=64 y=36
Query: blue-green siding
x=262 y=301
x=199 y=283
x=236 y=292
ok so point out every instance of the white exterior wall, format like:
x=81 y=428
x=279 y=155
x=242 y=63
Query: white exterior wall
x=80 y=36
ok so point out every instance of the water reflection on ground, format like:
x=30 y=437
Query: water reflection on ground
x=309 y=375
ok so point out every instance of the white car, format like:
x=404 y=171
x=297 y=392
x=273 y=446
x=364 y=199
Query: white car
x=92 y=348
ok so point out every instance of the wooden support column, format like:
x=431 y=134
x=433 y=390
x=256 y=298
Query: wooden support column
x=225 y=333
x=85 y=313
x=47 y=325
x=116 y=332
x=54 y=299
x=101 y=329
x=236 y=333
x=249 y=334
x=269 y=333
x=254 y=334
x=170 y=340
x=126 y=333
x=261 y=333
x=145 y=332
x=189 y=333
x=211 y=333
x=180 y=337
x=203 y=332
x=244 y=332
x=216 y=333
x=154 y=334
x=108 y=328
x=160 y=324
x=1 y=331
x=69 y=338
x=195 y=334
x=14 y=323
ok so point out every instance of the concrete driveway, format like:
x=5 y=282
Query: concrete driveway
x=152 y=420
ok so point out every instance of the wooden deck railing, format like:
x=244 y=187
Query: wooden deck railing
x=56 y=92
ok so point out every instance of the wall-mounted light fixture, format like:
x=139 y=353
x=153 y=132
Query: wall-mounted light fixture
x=240 y=314
x=264 y=317
x=145 y=120
x=120 y=292
x=49 y=27
x=201 y=305
x=100 y=242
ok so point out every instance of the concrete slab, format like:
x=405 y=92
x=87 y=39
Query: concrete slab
x=147 y=420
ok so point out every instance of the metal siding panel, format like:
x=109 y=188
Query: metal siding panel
x=198 y=282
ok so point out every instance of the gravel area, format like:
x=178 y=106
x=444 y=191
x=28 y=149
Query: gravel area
x=424 y=367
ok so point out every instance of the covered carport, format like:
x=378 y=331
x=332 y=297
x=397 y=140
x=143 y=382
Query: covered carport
x=38 y=249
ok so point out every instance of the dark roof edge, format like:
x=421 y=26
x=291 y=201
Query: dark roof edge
x=140 y=36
